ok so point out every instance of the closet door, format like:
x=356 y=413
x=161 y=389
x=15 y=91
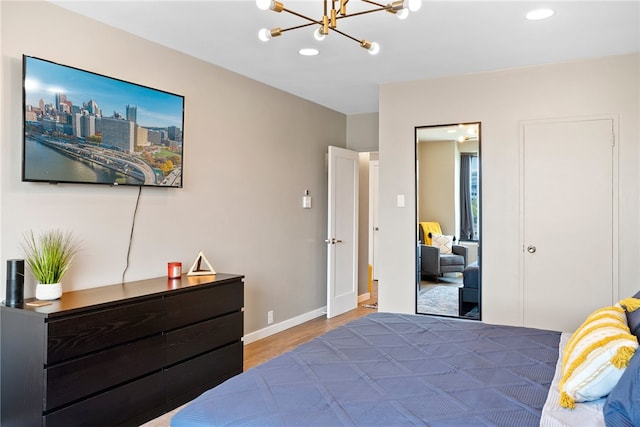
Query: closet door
x=568 y=221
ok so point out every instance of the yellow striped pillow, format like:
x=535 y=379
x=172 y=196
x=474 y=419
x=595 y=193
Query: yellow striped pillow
x=595 y=356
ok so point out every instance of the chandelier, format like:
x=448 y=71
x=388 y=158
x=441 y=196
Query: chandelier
x=329 y=20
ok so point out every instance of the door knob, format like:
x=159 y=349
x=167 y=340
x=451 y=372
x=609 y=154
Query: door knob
x=332 y=241
x=531 y=249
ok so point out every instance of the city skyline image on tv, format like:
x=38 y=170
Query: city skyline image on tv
x=84 y=127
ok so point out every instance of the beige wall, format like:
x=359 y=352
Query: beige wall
x=438 y=194
x=362 y=132
x=501 y=100
x=244 y=176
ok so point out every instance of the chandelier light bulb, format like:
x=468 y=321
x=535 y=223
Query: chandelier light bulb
x=318 y=35
x=402 y=13
x=264 y=35
x=374 y=49
x=263 y=4
x=414 y=5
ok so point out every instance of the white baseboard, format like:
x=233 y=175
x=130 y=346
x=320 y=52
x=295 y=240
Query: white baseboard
x=290 y=323
x=281 y=326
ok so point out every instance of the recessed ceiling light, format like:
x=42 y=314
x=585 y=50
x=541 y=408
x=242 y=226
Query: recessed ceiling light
x=536 y=15
x=308 y=51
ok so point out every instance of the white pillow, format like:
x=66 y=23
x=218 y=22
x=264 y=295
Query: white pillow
x=596 y=356
x=443 y=242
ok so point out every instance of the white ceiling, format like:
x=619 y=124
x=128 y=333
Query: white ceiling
x=442 y=38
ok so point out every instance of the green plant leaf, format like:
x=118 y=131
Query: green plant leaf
x=49 y=255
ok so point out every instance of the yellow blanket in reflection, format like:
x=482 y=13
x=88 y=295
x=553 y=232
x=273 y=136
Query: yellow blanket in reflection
x=430 y=227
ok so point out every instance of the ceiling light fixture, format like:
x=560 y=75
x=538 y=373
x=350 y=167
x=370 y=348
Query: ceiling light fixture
x=308 y=51
x=329 y=20
x=538 y=14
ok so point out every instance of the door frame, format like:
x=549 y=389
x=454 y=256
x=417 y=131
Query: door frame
x=373 y=215
x=614 y=208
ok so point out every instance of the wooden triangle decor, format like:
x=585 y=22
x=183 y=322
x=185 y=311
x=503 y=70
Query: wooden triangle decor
x=197 y=269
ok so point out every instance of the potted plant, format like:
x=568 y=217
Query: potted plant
x=49 y=257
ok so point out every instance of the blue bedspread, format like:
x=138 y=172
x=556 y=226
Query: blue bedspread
x=392 y=370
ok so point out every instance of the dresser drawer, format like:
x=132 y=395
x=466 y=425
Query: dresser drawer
x=193 y=307
x=74 y=336
x=190 y=379
x=81 y=377
x=132 y=404
x=202 y=337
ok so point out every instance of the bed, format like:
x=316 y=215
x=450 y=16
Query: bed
x=398 y=369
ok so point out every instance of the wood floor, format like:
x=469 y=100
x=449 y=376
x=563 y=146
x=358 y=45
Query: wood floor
x=265 y=349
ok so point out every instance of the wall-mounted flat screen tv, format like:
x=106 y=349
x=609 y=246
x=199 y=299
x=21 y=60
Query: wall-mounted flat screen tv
x=83 y=127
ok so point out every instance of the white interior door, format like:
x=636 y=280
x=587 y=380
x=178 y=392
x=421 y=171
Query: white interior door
x=374 y=173
x=568 y=235
x=342 y=232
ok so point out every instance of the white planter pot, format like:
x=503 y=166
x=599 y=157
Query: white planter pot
x=48 y=292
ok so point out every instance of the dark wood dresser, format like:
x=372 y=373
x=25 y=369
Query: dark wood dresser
x=120 y=354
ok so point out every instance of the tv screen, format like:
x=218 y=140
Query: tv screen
x=83 y=127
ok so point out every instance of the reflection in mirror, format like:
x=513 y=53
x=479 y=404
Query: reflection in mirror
x=448 y=220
